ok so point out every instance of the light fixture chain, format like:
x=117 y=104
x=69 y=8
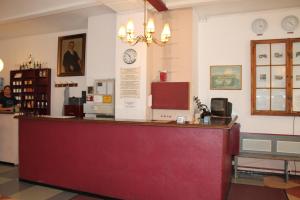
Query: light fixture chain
x=145 y=16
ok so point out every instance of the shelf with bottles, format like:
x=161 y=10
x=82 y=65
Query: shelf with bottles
x=42 y=97
x=32 y=87
x=28 y=82
x=18 y=97
x=17 y=82
x=27 y=105
x=42 y=104
x=29 y=97
x=17 y=90
x=43 y=73
x=28 y=90
x=30 y=73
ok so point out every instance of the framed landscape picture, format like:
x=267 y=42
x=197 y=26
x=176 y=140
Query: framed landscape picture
x=71 y=55
x=226 y=77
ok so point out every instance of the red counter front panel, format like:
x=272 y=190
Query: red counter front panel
x=126 y=161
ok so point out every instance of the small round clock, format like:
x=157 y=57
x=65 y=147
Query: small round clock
x=129 y=56
x=290 y=23
x=259 y=26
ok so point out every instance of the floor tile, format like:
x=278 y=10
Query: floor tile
x=295 y=180
x=4 y=180
x=12 y=187
x=5 y=168
x=13 y=174
x=278 y=182
x=36 y=193
x=5 y=198
x=291 y=197
x=81 y=197
x=248 y=181
x=63 y=196
x=295 y=191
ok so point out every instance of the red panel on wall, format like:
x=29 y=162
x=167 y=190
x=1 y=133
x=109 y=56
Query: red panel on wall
x=170 y=95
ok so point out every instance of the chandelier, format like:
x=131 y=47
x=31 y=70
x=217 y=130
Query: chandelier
x=127 y=34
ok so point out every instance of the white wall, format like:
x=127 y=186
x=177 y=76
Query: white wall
x=101 y=39
x=100 y=56
x=43 y=48
x=132 y=108
x=225 y=40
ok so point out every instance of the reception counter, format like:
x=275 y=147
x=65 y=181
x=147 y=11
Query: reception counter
x=9 y=138
x=128 y=160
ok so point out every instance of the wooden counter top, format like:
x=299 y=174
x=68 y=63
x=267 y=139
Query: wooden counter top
x=220 y=123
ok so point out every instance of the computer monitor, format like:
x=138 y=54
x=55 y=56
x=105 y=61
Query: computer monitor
x=220 y=107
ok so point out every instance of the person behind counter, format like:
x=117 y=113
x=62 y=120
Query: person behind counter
x=7 y=101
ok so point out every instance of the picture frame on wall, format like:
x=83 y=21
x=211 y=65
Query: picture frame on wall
x=226 y=77
x=1 y=83
x=71 y=55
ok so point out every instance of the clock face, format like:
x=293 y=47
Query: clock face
x=259 y=26
x=290 y=23
x=129 y=56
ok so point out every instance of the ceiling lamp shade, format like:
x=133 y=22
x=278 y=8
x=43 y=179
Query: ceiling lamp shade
x=1 y=65
x=127 y=34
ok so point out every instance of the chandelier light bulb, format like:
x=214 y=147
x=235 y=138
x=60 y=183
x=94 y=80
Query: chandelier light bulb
x=122 y=32
x=150 y=26
x=1 y=65
x=130 y=27
x=166 y=31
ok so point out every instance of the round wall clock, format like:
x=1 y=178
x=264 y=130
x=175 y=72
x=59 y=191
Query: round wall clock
x=290 y=23
x=259 y=26
x=129 y=56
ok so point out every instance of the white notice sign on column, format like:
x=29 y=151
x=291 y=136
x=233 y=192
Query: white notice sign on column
x=130 y=82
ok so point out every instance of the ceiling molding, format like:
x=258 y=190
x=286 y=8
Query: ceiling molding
x=66 y=21
x=243 y=6
x=49 y=11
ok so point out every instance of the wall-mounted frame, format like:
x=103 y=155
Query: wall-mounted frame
x=71 y=55
x=1 y=83
x=226 y=77
x=275 y=77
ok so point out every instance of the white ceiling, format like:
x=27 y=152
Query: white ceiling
x=27 y=17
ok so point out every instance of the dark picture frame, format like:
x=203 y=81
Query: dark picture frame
x=71 y=55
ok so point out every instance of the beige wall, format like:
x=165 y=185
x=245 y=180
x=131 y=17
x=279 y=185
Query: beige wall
x=176 y=56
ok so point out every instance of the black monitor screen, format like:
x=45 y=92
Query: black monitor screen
x=219 y=106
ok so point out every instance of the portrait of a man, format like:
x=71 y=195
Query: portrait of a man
x=71 y=55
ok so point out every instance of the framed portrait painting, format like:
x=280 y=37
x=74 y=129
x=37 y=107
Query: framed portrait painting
x=226 y=77
x=71 y=55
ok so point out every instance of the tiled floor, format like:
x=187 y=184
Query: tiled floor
x=13 y=189
x=292 y=187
